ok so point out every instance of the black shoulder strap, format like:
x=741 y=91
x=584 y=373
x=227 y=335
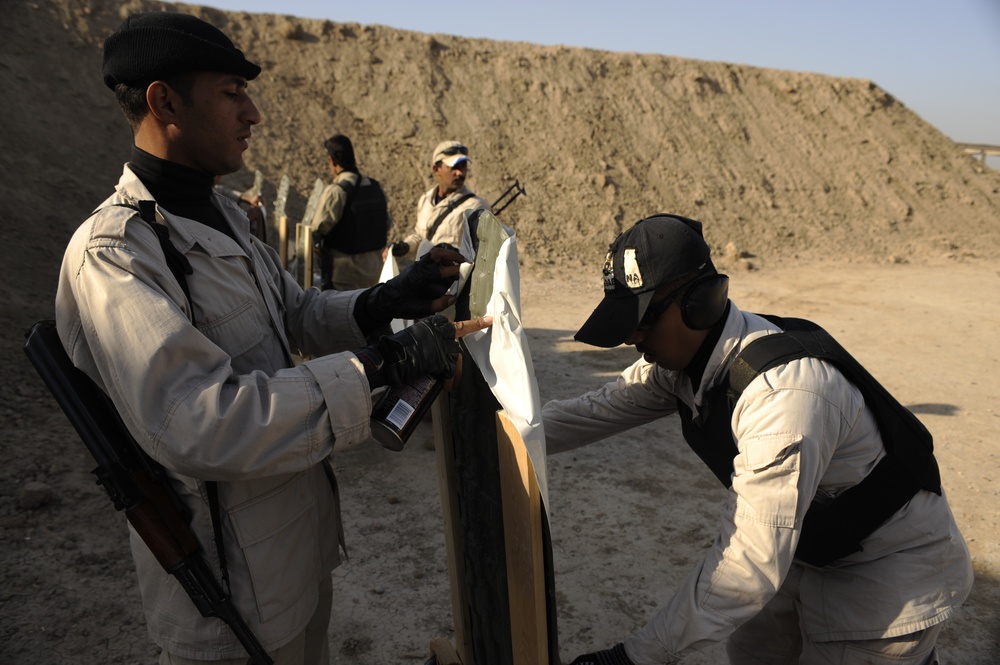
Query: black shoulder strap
x=833 y=530
x=432 y=229
x=897 y=424
x=177 y=263
x=180 y=268
x=761 y=355
x=350 y=189
x=346 y=185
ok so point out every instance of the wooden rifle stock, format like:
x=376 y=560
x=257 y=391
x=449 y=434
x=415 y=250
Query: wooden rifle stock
x=135 y=482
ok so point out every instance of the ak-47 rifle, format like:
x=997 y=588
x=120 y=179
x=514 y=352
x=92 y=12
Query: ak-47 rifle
x=517 y=190
x=135 y=482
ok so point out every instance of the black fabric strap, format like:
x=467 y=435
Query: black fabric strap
x=902 y=433
x=212 y=488
x=835 y=529
x=180 y=268
x=177 y=263
x=432 y=229
x=349 y=190
x=348 y=187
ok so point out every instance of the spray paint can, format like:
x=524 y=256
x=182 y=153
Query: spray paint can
x=400 y=410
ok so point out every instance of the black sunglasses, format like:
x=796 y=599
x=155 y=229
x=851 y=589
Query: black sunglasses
x=454 y=150
x=656 y=309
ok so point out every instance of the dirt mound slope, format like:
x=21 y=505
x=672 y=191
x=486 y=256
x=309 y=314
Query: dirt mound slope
x=781 y=166
x=778 y=164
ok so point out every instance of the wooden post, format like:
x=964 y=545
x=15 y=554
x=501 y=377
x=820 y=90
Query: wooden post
x=450 y=505
x=283 y=240
x=523 y=515
x=496 y=528
x=281 y=219
x=303 y=255
x=300 y=252
x=307 y=257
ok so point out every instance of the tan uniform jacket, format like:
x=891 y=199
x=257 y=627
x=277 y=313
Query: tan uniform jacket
x=220 y=400
x=452 y=225
x=802 y=431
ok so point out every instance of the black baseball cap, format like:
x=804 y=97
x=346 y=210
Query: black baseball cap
x=656 y=251
x=151 y=46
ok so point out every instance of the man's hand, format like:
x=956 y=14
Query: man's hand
x=613 y=656
x=417 y=291
x=427 y=347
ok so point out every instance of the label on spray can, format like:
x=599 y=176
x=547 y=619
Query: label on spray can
x=401 y=409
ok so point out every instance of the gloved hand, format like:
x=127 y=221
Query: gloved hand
x=613 y=656
x=416 y=292
x=428 y=347
x=400 y=248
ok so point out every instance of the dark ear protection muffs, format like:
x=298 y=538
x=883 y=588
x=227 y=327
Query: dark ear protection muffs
x=704 y=302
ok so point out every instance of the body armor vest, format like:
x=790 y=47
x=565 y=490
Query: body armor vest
x=834 y=529
x=364 y=226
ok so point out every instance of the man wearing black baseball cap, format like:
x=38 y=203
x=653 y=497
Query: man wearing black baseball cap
x=837 y=544
x=637 y=269
x=190 y=325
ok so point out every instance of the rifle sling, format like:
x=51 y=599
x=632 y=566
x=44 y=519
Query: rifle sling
x=432 y=229
x=180 y=268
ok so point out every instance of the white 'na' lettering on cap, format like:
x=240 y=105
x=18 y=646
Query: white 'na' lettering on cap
x=633 y=276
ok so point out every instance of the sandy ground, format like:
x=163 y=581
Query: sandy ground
x=779 y=164
x=630 y=516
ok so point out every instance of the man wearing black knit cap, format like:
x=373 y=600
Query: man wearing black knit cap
x=190 y=325
x=836 y=544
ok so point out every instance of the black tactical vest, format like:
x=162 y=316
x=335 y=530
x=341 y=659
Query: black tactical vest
x=832 y=530
x=364 y=225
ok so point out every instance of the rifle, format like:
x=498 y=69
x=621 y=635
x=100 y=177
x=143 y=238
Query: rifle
x=135 y=482
x=517 y=188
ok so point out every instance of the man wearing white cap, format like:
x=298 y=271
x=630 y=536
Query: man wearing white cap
x=440 y=211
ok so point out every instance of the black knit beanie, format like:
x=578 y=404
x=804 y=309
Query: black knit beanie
x=151 y=46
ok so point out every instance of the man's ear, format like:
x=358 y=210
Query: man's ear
x=162 y=101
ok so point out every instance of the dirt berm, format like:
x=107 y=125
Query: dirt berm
x=786 y=169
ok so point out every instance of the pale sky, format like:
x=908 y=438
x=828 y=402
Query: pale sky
x=939 y=58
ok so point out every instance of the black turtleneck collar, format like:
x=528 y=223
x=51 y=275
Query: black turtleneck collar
x=181 y=190
x=696 y=368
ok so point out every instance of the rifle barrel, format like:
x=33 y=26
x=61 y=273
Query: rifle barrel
x=517 y=188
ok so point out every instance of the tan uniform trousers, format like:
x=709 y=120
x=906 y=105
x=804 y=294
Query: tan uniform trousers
x=310 y=647
x=774 y=637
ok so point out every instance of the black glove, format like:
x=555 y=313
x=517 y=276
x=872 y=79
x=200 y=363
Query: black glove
x=400 y=248
x=613 y=656
x=408 y=295
x=428 y=347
